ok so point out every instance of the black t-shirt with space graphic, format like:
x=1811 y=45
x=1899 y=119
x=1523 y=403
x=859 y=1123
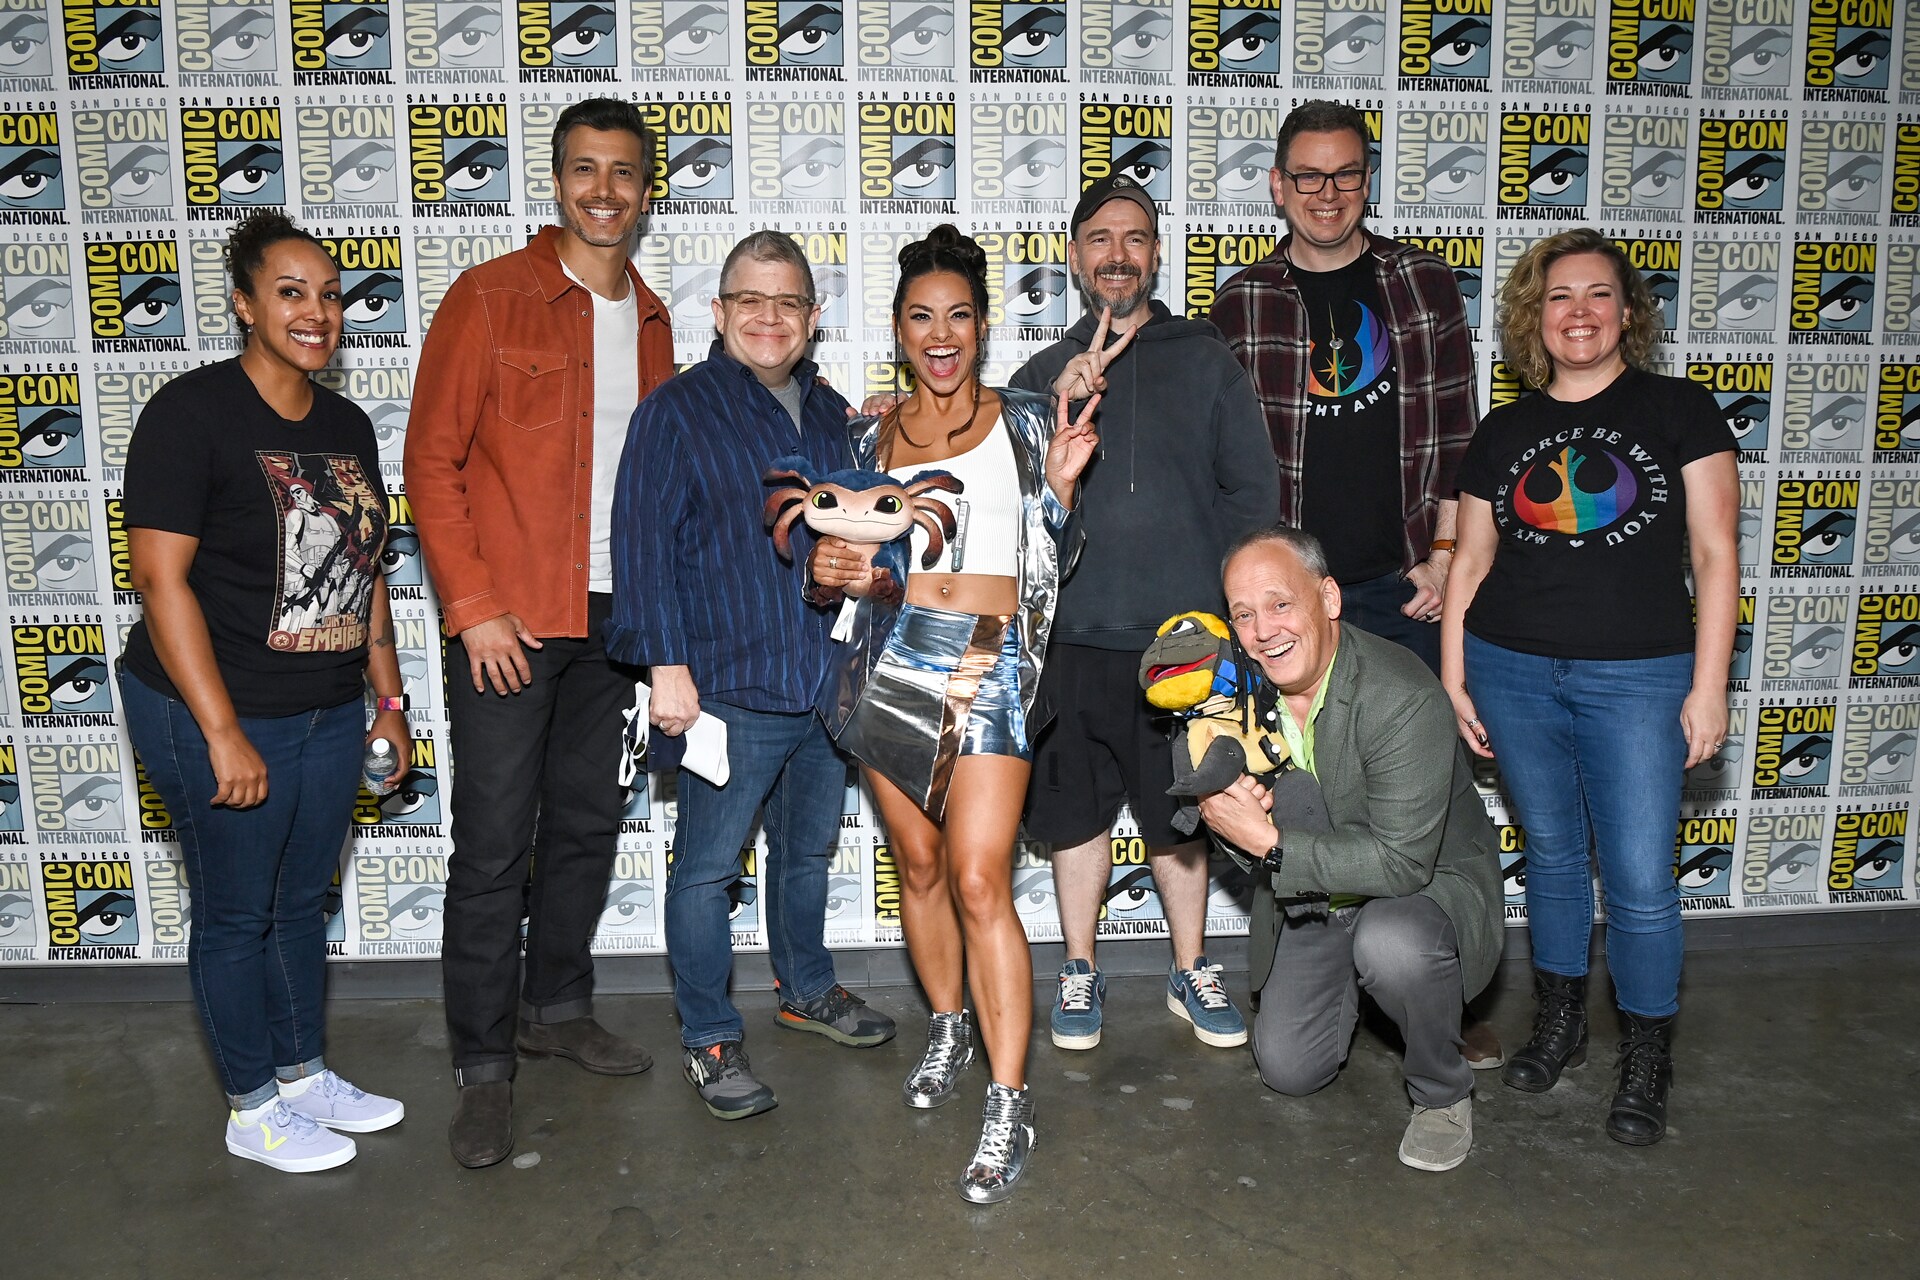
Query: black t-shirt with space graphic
x=1350 y=474
x=1592 y=515
x=291 y=518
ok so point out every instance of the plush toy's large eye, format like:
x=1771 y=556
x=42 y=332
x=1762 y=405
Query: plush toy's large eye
x=889 y=505
x=823 y=500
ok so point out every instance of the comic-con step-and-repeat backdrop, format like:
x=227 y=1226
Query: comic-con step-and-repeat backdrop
x=1760 y=159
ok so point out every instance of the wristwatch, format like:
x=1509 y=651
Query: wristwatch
x=391 y=704
x=1269 y=861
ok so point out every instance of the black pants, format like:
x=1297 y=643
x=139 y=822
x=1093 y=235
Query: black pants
x=547 y=757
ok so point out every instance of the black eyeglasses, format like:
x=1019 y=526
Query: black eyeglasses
x=787 y=304
x=1310 y=182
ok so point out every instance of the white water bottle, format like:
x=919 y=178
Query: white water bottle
x=378 y=766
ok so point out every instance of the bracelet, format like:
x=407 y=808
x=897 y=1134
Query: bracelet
x=391 y=704
x=1441 y=544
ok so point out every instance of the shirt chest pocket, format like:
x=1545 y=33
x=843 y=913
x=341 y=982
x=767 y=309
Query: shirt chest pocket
x=532 y=388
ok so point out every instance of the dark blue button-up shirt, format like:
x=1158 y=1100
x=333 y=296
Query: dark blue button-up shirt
x=696 y=581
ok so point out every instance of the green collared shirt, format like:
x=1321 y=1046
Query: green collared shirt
x=1300 y=745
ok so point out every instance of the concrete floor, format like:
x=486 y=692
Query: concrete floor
x=1794 y=1151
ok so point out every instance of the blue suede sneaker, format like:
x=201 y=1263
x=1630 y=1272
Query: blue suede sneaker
x=1076 y=1014
x=1197 y=995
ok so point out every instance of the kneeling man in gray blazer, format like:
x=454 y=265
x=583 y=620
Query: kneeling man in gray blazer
x=1395 y=891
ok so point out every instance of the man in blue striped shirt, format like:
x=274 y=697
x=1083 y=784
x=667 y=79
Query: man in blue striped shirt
x=700 y=597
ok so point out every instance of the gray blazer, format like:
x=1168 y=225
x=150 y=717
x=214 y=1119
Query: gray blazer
x=1405 y=816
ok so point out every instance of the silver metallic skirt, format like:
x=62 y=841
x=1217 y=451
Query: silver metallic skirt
x=946 y=685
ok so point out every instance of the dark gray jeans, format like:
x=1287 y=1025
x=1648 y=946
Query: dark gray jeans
x=1404 y=954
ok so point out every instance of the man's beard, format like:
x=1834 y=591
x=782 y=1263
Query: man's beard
x=1122 y=307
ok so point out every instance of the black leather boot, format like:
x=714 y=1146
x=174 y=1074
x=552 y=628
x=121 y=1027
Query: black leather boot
x=1559 y=1034
x=1639 y=1114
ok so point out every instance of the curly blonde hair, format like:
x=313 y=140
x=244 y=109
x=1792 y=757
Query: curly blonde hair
x=1524 y=296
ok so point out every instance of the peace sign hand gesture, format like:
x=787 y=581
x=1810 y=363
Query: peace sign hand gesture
x=1086 y=374
x=1070 y=449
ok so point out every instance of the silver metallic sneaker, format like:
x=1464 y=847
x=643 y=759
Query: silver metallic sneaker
x=1006 y=1140
x=949 y=1052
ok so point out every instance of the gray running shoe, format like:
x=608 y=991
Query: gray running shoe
x=724 y=1080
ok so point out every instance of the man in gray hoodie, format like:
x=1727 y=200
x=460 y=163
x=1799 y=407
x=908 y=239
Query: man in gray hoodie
x=1185 y=467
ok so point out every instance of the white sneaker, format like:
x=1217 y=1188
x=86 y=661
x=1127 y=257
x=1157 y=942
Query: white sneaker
x=284 y=1139
x=1438 y=1138
x=337 y=1104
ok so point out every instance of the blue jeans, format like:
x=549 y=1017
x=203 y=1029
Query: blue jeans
x=787 y=762
x=1592 y=754
x=1374 y=606
x=257 y=952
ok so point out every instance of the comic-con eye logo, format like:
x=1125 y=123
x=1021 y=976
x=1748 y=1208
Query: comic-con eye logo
x=1229 y=154
x=372 y=283
x=796 y=151
x=1703 y=856
x=1893 y=523
x=1813 y=526
x=459 y=159
x=1896 y=420
x=559 y=35
x=1547 y=41
x=216 y=39
x=1782 y=855
x=680 y=33
x=329 y=38
x=629 y=905
x=1644 y=162
x=49 y=549
x=1832 y=289
x=76 y=786
x=29 y=164
x=1742 y=170
x=24 y=47
x=1848 y=43
x=906 y=153
x=12 y=818
x=1017 y=38
x=1880 y=738
x=1543 y=160
x=1440 y=157
x=90 y=904
x=415 y=802
x=40 y=427
x=1211 y=260
x=60 y=670
x=1226 y=41
x=1840 y=168
x=1126 y=35
x=1342 y=39
x=231 y=156
x=347 y=156
x=1650 y=43
x=122 y=158
x=401 y=900
x=905 y=33
x=16 y=888
x=455 y=35
x=1027 y=277
x=1127 y=138
x=1806 y=637
x=106 y=41
x=133 y=293
x=1019 y=152
x=1744 y=392
x=1793 y=748
x=1464 y=256
x=1445 y=43
x=1748 y=44
x=1721 y=770
x=697 y=161
x=1741 y=666
x=1735 y=286
x=1658 y=261
x=1869 y=854
x=794 y=34
x=1886 y=640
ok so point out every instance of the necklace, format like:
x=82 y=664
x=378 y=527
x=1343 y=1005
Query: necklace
x=1335 y=341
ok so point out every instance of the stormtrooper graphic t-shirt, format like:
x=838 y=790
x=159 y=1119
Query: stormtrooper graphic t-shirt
x=1592 y=514
x=1350 y=475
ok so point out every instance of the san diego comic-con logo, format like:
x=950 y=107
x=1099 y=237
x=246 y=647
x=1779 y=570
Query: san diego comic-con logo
x=1343 y=45
x=683 y=267
x=1746 y=48
x=13 y=819
x=169 y=908
x=1741 y=169
x=1740 y=668
x=1544 y=157
x=1132 y=906
x=680 y=39
x=32 y=189
x=797 y=156
x=119 y=395
x=400 y=899
x=1212 y=258
x=1127 y=41
x=373 y=288
x=41 y=440
x=1643 y=165
x=1805 y=641
x=1440 y=164
x=1446 y=46
x=1849 y=43
x=50 y=556
x=411 y=809
x=907 y=151
x=1229 y=155
x=223 y=44
x=846 y=917
x=1903 y=204
x=348 y=160
x=629 y=919
x=1792 y=750
x=1814 y=518
x=1832 y=293
x=1753 y=500
x=1657 y=258
x=1546 y=46
x=119 y=566
x=400 y=560
x=1131 y=138
x=1886 y=641
x=695 y=169
x=459 y=41
x=1012 y=42
x=1900 y=310
x=113 y=44
x=565 y=41
x=1464 y=255
x=1824 y=410
x=1877 y=749
x=1719 y=775
x=384 y=393
x=1744 y=391
x=1840 y=171
x=1869 y=858
x=231 y=159
x=133 y=294
x=1896 y=417
x=1703 y=861
x=340 y=43
x=1027 y=282
x=76 y=791
x=123 y=163
x=18 y=934
x=886 y=892
x=1234 y=43
x=795 y=39
x=439 y=259
x=91 y=913
x=1649 y=47
x=26 y=52
x=1780 y=863
x=1734 y=292
x=458 y=160
x=826 y=253
x=904 y=40
x=1512 y=840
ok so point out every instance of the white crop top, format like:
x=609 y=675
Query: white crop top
x=986 y=511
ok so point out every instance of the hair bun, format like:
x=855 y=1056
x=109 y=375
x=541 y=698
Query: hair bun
x=949 y=242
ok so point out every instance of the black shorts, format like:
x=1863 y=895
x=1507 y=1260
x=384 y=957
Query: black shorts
x=1104 y=747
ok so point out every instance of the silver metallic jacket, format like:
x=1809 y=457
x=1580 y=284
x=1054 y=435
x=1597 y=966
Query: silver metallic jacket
x=1050 y=540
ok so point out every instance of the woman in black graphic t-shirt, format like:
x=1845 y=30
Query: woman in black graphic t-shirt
x=1570 y=645
x=256 y=521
